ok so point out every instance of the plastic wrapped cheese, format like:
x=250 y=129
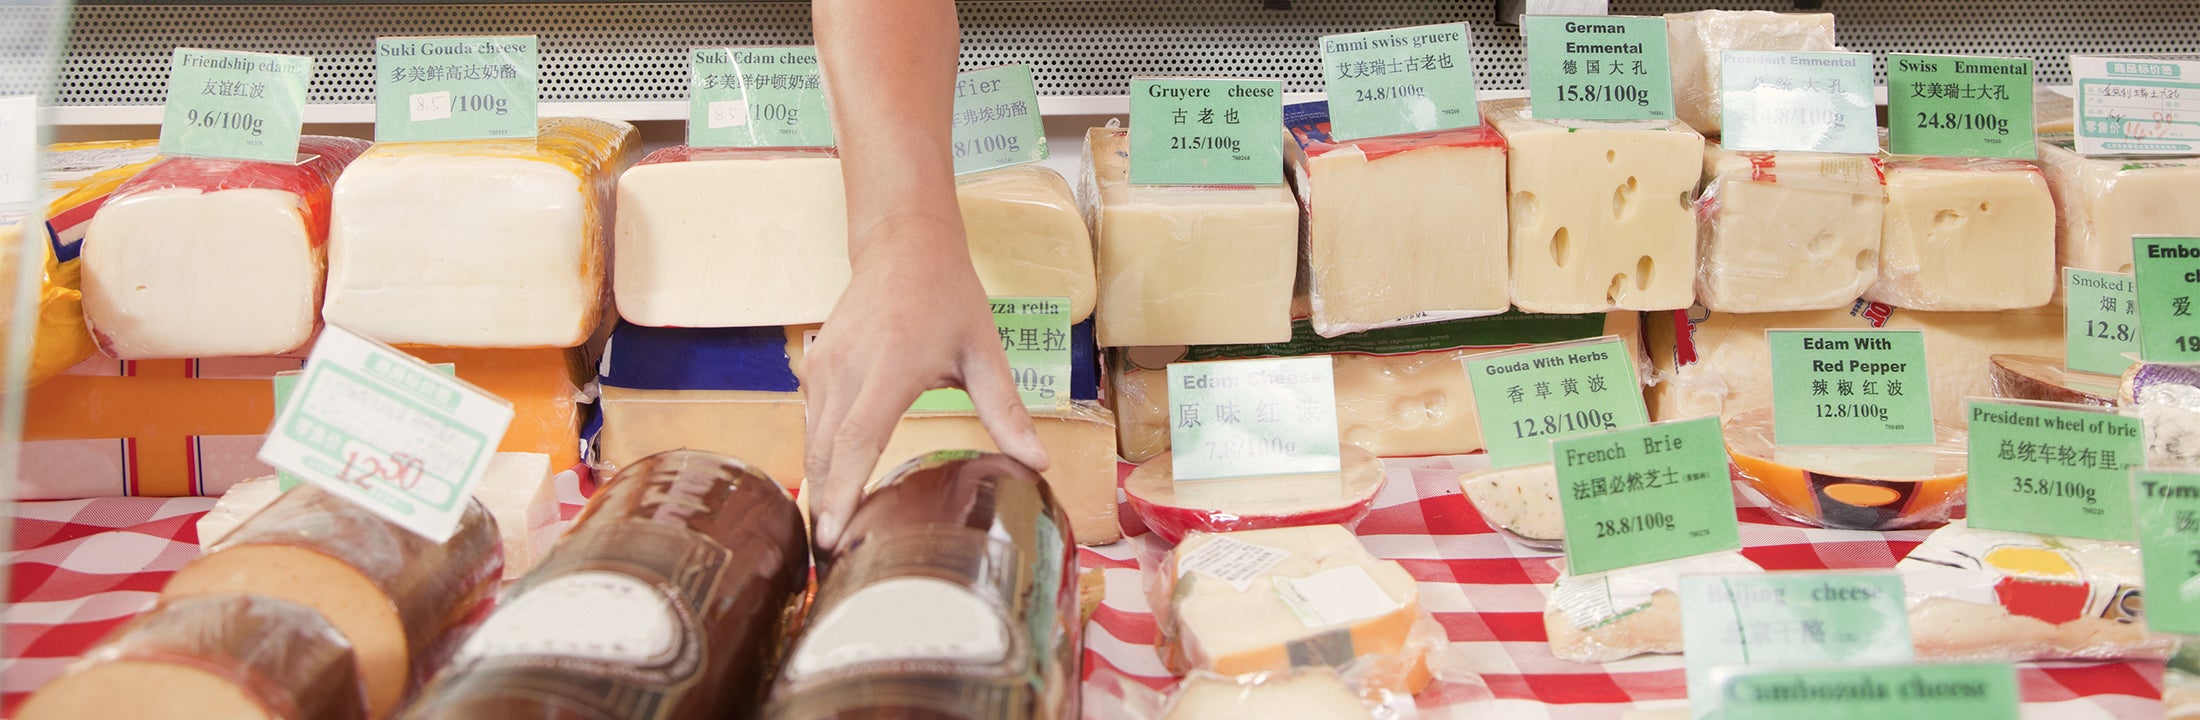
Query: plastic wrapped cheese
x=2166 y=399
x=1618 y=614
x=220 y=657
x=1602 y=212
x=1175 y=509
x=1027 y=236
x=731 y=237
x=1399 y=230
x=211 y=257
x=2104 y=202
x=1694 y=41
x=1787 y=231
x=1308 y=694
x=1186 y=265
x=2035 y=377
x=238 y=504
x=1521 y=502
x=478 y=243
x=1992 y=595
x=1079 y=440
x=80 y=177
x=519 y=491
x=1864 y=488
x=1966 y=234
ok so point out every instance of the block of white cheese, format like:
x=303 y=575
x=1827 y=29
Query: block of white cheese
x=1521 y=502
x=1080 y=442
x=1718 y=363
x=1787 y=231
x=1313 y=694
x=1402 y=229
x=1991 y=595
x=223 y=657
x=1027 y=236
x=1967 y=235
x=1603 y=214
x=2106 y=201
x=731 y=237
x=402 y=601
x=207 y=257
x=1694 y=41
x=1187 y=265
x=2036 y=377
x=478 y=243
x=1607 y=616
x=519 y=491
x=238 y=504
x=1174 y=509
x=731 y=391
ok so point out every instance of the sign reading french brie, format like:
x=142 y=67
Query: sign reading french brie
x=455 y=88
x=1252 y=418
x=757 y=97
x=228 y=104
x=1798 y=101
x=1597 y=68
x=996 y=121
x=1786 y=619
x=1407 y=80
x=1960 y=106
x=1206 y=131
x=1850 y=387
x=1527 y=398
x=1645 y=494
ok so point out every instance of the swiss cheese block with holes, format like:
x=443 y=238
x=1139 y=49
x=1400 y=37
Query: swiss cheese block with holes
x=2104 y=202
x=1966 y=235
x=1788 y=230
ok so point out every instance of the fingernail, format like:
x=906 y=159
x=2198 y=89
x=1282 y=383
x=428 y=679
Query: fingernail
x=828 y=533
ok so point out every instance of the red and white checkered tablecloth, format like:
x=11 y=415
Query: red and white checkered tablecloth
x=82 y=567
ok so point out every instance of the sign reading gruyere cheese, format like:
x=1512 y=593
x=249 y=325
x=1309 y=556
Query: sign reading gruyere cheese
x=1203 y=131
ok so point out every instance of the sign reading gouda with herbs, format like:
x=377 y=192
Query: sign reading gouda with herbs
x=242 y=105
x=2169 y=548
x=757 y=97
x=1252 y=418
x=1788 y=618
x=2052 y=469
x=455 y=88
x=1526 y=398
x=1645 y=494
x=1390 y=82
x=2167 y=270
x=1983 y=691
x=1200 y=131
x=1597 y=68
x=1850 y=387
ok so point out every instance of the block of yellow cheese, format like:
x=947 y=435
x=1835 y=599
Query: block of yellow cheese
x=731 y=237
x=219 y=657
x=2104 y=202
x=1027 y=236
x=1966 y=235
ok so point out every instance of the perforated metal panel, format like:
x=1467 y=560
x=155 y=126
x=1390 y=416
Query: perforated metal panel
x=610 y=51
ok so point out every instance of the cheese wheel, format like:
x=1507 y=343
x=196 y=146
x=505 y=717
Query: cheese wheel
x=401 y=600
x=1861 y=488
x=220 y=657
x=1173 y=509
x=1521 y=502
x=2034 y=377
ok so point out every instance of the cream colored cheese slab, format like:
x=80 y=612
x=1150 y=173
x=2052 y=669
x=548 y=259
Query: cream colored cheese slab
x=1027 y=236
x=179 y=273
x=1967 y=236
x=731 y=239
x=2106 y=201
x=1787 y=231
x=1694 y=40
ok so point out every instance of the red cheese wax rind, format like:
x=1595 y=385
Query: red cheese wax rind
x=684 y=153
x=320 y=159
x=1152 y=492
x=1316 y=141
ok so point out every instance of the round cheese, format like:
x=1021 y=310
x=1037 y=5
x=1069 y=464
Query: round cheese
x=222 y=657
x=1863 y=488
x=1173 y=509
x=2034 y=377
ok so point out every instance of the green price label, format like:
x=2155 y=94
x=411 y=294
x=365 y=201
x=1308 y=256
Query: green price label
x=1597 y=68
x=2100 y=321
x=1850 y=387
x=2136 y=105
x=455 y=88
x=2052 y=469
x=2169 y=548
x=1645 y=494
x=1975 y=691
x=1407 y=80
x=1960 y=106
x=1035 y=333
x=2167 y=270
x=287 y=382
x=243 y=105
x=997 y=120
x=1251 y=418
x=1799 y=101
x=1195 y=131
x=1788 y=618
x=1526 y=398
x=756 y=97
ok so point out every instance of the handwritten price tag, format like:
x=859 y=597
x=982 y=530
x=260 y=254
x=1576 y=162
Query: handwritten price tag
x=2137 y=105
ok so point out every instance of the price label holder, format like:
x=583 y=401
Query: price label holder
x=455 y=88
x=2137 y=105
x=1035 y=333
x=756 y=97
x=2167 y=271
x=1960 y=106
x=18 y=157
x=1786 y=619
x=241 y=105
x=1597 y=68
x=1392 y=82
x=382 y=429
x=1970 y=691
x=1850 y=387
x=2168 y=514
x=2100 y=322
x=287 y=382
x=997 y=121
x=1527 y=398
x=1253 y=418
x=1201 y=131
x=2052 y=468
x=1645 y=494
x=1798 y=101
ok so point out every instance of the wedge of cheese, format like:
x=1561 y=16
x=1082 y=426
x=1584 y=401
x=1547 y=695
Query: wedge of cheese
x=238 y=504
x=223 y=657
x=1967 y=235
x=79 y=179
x=403 y=602
x=478 y=243
x=1862 y=488
x=1027 y=236
x=1521 y=502
x=1787 y=231
x=2034 y=377
x=1607 y=616
x=1694 y=41
x=2106 y=201
x=1175 y=509
x=1399 y=230
x=731 y=237
x=1603 y=213
x=1187 y=265
x=2166 y=398
x=1991 y=595
x=1080 y=442
x=1313 y=694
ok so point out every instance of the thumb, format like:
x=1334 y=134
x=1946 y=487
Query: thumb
x=1000 y=409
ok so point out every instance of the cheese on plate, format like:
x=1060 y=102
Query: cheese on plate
x=1027 y=236
x=731 y=237
x=1618 y=614
x=1967 y=235
x=1863 y=488
x=1521 y=502
x=1175 y=509
x=223 y=657
x=1787 y=231
x=2104 y=202
x=1694 y=41
x=2035 y=377
x=1991 y=595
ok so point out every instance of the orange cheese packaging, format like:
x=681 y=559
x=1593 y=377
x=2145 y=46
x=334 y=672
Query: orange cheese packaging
x=1860 y=488
x=79 y=177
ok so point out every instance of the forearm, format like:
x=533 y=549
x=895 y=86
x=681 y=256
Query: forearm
x=890 y=67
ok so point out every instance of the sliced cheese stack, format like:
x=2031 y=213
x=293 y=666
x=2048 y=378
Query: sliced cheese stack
x=80 y=177
x=401 y=600
x=1863 y=488
x=1618 y=614
x=478 y=243
x=2033 y=377
x=1602 y=213
x=1991 y=595
x=1220 y=604
x=1176 y=509
x=1521 y=502
x=1787 y=231
x=1187 y=265
x=209 y=257
x=1402 y=229
x=222 y=657
x=731 y=237
x=1694 y=41
x=728 y=391
x=1027 y=236
x=1080 y=442
x=1311 y=693
x=1967 y=235
x=2106 y=201
x=520 y=494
